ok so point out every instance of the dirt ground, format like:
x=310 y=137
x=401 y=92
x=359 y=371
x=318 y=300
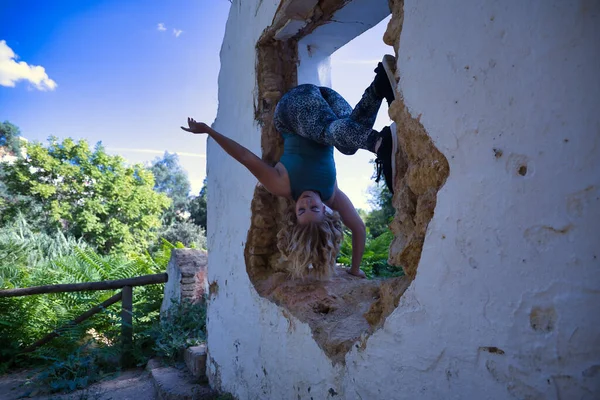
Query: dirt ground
x=132 y=384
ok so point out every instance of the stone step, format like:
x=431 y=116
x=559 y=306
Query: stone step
x=195 y=360
x=177 y=383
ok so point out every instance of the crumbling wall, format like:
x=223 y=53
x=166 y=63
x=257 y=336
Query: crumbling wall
x=336 y=319
x=243 y=326
x=422 y=169
x=502 y=304
x=187 y=278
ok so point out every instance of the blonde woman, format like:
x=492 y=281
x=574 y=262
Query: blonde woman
x=313 y=120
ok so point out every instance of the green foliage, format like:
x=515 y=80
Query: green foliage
x=160 y=256
x=22 y=317
x=86 y=193
x=378 y=220
x=71 y=214
x=27 y=319
x=187 y=233
x=374 y=262
x=172 y=180
x=379 y=238
x=197 y=207
x=178 y=222
x=10 y=138
x=75 y=371
x=184 y=326
x=25 y=257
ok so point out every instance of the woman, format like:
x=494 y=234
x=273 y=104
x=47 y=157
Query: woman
x=312 y=121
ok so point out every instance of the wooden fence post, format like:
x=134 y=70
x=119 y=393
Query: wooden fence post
x=127 y=327
x=126 y=297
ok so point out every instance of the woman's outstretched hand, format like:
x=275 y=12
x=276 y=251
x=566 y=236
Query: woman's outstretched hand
x=196 y=127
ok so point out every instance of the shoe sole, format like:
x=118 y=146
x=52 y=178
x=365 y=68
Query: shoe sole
x=389 y=65
x=394 y=150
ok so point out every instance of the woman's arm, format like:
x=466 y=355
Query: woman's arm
x=267 y=175
x=350 y=218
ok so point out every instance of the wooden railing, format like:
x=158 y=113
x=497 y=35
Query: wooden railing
x=125 y=296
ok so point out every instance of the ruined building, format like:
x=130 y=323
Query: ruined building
x=497 y=208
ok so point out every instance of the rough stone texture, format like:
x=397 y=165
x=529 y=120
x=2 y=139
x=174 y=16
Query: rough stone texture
x=195 y=360
x=276 y=73
x=172 y=383
x=422 y=170
x=340 y=311
x=187 y=270
x=503 y=304
x=391 y=37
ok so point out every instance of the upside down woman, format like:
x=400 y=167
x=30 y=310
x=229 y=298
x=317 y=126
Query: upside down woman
x=313 y=120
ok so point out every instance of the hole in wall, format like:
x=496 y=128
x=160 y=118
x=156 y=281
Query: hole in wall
x=522 y=170
x=323 y=308
x=342 y=310
x=351 y=73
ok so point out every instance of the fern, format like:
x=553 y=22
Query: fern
x=30 y=258
x=375 y=256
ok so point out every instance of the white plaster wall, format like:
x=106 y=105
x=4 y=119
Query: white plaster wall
x=314 y=50
x=500 y=244
x=253 y=350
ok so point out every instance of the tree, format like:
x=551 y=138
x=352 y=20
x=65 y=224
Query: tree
x=378 y=220
x=10 y=138
x=87 y=194
x=184 y=232
x=171 y=179
x=197 y=207
x=379 y=238
x=177 y=225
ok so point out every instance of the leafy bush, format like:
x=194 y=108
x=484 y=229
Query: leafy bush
x=379 y=237
x=75 y=371
x=183 y=327
x=87 y=193
x=25 y=260
x=184 y=232
x=67 y=190
x=378 y=219
x=374 y=262
x=21 y=247
x=33 y=259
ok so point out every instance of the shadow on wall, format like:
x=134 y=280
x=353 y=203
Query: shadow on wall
x=342 y=310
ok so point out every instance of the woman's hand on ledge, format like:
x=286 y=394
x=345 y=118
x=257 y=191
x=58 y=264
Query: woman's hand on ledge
x=358 y=273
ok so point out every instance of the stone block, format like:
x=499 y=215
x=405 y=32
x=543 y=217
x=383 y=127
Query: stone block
x=187 y=272
x=171 y=383
x=195 y=360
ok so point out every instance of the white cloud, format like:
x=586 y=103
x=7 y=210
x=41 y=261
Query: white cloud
x=161 y=27
x=177 y=32
x=12 y=71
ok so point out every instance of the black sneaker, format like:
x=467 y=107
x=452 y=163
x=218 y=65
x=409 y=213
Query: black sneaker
x=386 y=156
x=385 y=82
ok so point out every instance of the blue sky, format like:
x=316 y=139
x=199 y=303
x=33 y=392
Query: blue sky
x=113 y=74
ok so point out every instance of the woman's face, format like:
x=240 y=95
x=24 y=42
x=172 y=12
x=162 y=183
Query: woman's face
x=309 y=208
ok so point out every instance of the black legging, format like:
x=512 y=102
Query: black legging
x=321 y=114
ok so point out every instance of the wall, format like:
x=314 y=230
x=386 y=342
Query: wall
x=314 y=65
x=246 y=333
x=504 y=302
x=187 y=270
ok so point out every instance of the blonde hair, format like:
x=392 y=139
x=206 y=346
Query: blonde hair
x=310 y=249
